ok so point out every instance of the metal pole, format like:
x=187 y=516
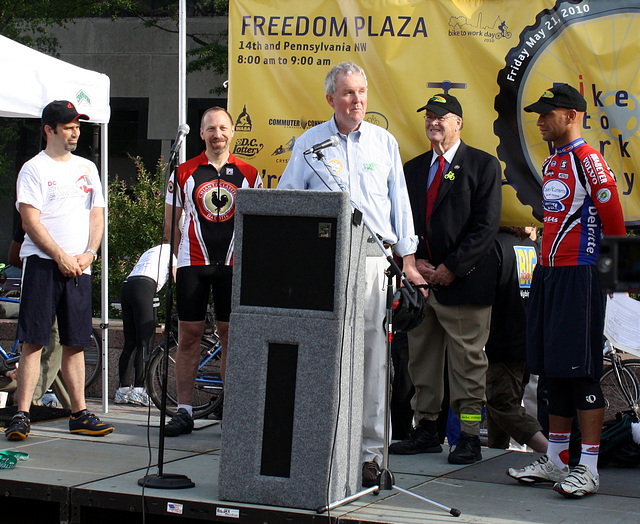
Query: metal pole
x=104 y=165
x=182 y=72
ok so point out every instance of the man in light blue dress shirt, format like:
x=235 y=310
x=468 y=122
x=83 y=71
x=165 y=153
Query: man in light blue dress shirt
x=367 y=162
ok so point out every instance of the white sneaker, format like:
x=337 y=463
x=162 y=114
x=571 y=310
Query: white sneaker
x=541 y=470
x=122 y=397
x=138 y=396
x=578 y=483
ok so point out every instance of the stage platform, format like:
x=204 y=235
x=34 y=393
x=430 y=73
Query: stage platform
x=80 y=479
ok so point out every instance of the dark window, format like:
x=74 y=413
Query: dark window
x=128 y=137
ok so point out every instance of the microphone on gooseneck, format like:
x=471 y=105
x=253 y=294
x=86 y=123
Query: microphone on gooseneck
x=332 y=141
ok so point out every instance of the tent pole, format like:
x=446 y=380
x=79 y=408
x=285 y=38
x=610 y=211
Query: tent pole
x=104 y=171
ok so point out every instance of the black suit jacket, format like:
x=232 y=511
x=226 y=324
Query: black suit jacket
x=463 y=224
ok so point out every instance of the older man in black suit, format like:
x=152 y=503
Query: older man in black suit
x=455 y=193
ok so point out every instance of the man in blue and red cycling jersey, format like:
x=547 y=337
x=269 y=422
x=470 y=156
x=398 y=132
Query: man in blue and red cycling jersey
x=566 y=307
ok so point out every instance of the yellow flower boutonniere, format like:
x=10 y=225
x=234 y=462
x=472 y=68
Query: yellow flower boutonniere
x=450 y=176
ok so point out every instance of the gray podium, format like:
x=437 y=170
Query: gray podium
x=292 y=426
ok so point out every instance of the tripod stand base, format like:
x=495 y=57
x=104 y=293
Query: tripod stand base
x=374 y=490
x=386 y=483
x=386 y=480
x=166 y=481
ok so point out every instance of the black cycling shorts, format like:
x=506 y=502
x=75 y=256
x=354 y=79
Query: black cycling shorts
x=193 y=284
x=565 y=321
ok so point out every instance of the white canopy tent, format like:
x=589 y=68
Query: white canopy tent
x=30 y=80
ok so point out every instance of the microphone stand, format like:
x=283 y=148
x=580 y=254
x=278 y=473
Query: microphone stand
x=163 y=480
x=386 y=479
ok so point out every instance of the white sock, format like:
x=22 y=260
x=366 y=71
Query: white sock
x=589 y=456
x=187 y=407
x=635 y=432
x=123 y=389
x=558 y=449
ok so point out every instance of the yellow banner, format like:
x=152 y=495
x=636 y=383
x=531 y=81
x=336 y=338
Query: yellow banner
x=495 y=56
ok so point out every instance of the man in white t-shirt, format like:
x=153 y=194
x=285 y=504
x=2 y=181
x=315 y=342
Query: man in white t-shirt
x=62 y=208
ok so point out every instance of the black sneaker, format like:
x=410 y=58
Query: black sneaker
x=423 y=439
x=370 y=474
x=88 y=424
x=180 y=424
x=466 y=451
x=19 y=427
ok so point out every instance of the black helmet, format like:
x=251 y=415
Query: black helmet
x=408 y=309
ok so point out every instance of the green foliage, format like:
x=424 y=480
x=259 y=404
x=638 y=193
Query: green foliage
x=136 y=213
x=29 y=22
x=211 y=56
x=212 y=53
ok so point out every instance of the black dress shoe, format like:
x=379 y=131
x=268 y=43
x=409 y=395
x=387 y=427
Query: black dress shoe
x=423 y=439
x=370 y=474
x=467 y=450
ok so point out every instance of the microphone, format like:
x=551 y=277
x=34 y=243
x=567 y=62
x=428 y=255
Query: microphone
x=183 y=130
x=332 y=141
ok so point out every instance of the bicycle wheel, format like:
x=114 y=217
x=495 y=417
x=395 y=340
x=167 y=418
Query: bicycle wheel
x=93 y=359
x=615 y=400
x=207 y=392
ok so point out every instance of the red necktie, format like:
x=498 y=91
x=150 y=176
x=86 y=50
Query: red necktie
x=432 y=192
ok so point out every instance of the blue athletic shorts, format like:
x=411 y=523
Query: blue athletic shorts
x=565 y=321
x=47 y=293
x=193 y=284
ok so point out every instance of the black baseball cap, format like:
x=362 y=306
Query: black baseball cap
x=61 y=112
x=559 y=96
x=442 y=104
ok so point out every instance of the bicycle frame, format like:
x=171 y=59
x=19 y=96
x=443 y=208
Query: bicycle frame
x=208 y=385
x=204 y=380
x=613 y=356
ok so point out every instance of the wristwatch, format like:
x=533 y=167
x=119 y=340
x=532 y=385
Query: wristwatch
x=95 y=255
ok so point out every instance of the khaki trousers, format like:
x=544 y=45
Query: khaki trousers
x=457 y=333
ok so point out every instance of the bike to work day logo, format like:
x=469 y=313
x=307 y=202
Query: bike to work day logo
x=591 y=46
x=463 y=27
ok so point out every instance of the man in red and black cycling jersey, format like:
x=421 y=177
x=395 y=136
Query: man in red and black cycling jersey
x=206 y=195
x=566 y=306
